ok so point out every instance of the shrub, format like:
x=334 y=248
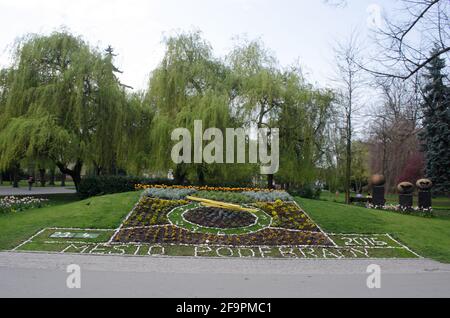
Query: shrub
x=92 y=186
x=308 y=191
x=268 y=196
x=169 y=193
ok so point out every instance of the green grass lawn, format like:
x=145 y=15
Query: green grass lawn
x=98 y=212
x=439 y=203
x=430 y=237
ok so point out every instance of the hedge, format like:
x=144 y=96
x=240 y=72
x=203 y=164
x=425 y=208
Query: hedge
x=92 y=186
x=100 y=185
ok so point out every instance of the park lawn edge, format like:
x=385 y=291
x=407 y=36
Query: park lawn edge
x=323 y=213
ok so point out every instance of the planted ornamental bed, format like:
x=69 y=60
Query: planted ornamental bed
x=186 y=221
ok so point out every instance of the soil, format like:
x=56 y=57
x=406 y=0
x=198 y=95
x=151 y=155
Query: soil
x=219 y=218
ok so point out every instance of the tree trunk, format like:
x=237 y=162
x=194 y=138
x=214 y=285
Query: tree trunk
x=51 y=181
x=63 y=180
x=113 y=168
x=97 y=169
x=15 y=178
x=349 y=157
x=75 y=173
x=42 y=177
x=270 y=181
x=180 y=174
x=201 y=174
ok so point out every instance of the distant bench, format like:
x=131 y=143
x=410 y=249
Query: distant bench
x=360 y=200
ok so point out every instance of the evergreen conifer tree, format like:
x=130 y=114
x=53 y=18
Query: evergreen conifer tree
x=436 y=126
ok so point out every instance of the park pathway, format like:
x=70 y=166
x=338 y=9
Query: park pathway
x=4 y=191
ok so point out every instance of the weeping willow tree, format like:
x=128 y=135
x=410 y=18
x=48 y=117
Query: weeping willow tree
x=63 y=103
x=269 y=97
x=302 y=120
x=4 y=74
x=135 y=127
x=259 y=88
x=189 y=84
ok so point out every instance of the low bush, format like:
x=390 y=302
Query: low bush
x=168 y=193
x=268 y=196
x=308 y=191
x=92 y=186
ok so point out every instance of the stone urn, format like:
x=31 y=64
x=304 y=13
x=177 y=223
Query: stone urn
x=405 y=188
x=377 y=180
x=424 y=184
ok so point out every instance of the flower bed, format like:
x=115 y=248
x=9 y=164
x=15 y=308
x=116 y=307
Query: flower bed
x=170 y=234
x=158 y=221
x=288 y=216
x=151 y=211
x=232 y=195
x=399 y=209
x=201 y=188
x=18 y=204
x=219 y=218
x=168 y=193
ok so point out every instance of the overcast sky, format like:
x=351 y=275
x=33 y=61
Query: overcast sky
x=295 y=30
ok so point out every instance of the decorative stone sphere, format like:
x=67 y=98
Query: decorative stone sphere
x=377 y=180
x=405 y=188
x=424 y=184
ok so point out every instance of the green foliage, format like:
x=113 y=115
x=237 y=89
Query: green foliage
x=308 y=191
x=189 y=84
x=436 y=132
x=61 y=104
x=64 y=103
x=273 y=98
x=360 y=165
x=93 y=186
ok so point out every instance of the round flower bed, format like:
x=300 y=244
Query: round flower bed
x=178 y=218
x=219 y=218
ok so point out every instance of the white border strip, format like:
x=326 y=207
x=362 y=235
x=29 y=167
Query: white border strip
x=404 y=246
x=29 y=240
x=124 y=220
x=139 y=245
x=318 y=226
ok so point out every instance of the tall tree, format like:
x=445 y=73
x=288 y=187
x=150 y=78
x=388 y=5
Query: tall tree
x=63 y=103
x=189 y=84
x=436 y=130
x=360 y=165
x=349 y=79
x=260 y=87
x=394 y=127
x=302 y=121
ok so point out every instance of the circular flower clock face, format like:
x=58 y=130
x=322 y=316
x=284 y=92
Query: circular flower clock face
x=198 y=219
